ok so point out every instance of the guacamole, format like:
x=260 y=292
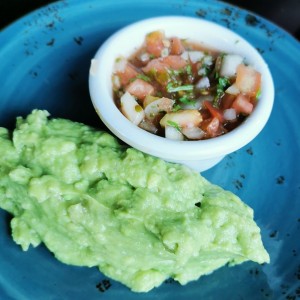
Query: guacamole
x=94 y=202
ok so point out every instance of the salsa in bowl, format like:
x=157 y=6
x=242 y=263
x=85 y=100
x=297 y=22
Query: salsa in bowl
x=183 y=89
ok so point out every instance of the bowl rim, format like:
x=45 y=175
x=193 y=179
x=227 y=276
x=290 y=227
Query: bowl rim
x=160 y=146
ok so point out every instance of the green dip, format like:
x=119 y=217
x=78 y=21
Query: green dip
x=93 y=202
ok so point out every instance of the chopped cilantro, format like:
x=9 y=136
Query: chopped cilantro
x=143 y=77
x=176 y=108
x=174 y=124
x=186 y=100
x=173 y=89
x=204 y=70
x=258 y=94
x=223 y=83
x=174 y=72
x=188 y=69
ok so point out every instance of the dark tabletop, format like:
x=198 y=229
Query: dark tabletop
x=284 y=13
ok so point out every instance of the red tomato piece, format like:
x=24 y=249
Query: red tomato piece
x=205 y=114
x=155 y=65
x=129 y=73
x=248 y=80
x=174 y=62
x=154 y=43
x=162 y=64
x=157 y=69
x=215 y=112
x=211 y=127
x=242 y=104
x=176 y=47
x=140 y=88
x=226 y=101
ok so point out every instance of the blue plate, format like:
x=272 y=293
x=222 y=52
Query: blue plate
x=45 y=59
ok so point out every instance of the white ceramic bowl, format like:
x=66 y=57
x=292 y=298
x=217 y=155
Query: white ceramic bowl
x=200 y=155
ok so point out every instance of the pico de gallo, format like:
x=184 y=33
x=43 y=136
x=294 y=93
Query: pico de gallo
x=183 y=91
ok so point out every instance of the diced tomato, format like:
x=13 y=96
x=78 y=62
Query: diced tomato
x=176 y=46
x=253 y=100
x=155 y=65
x=211 y=127
x=215 y=112
x=242 y=104
x=129 y=73
x=248 y=80
x=226 y=101
x=140 y=88
x=205 y=114
x=174 y=62
x=154 y=43
x=157 y=69
x=162 y=64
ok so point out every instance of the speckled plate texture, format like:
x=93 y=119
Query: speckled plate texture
x=44 y=64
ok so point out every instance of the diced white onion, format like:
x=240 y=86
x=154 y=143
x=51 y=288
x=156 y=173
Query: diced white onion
x=147 y=125
x=120 y=64
x=203 y=83
x=207 y=60
x=173 y=134
x=131 y=109
x=184 y=118
x=144 y=57
x=202 y=71
x=229 y=114
x=164 y=52
x=193 y=133
x=166 y=43
x=197 y=104
x=156 y=106
x=194 y=56
x=232 y=90
x=185 y=55
x=229 y=64
x=116 y=81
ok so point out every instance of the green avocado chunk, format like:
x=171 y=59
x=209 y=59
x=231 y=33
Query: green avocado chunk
x=94 y=202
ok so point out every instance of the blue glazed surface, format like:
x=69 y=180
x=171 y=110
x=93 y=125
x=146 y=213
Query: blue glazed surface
x=45 y=59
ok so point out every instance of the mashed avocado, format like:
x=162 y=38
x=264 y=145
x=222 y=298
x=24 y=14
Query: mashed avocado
x=93 y=202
